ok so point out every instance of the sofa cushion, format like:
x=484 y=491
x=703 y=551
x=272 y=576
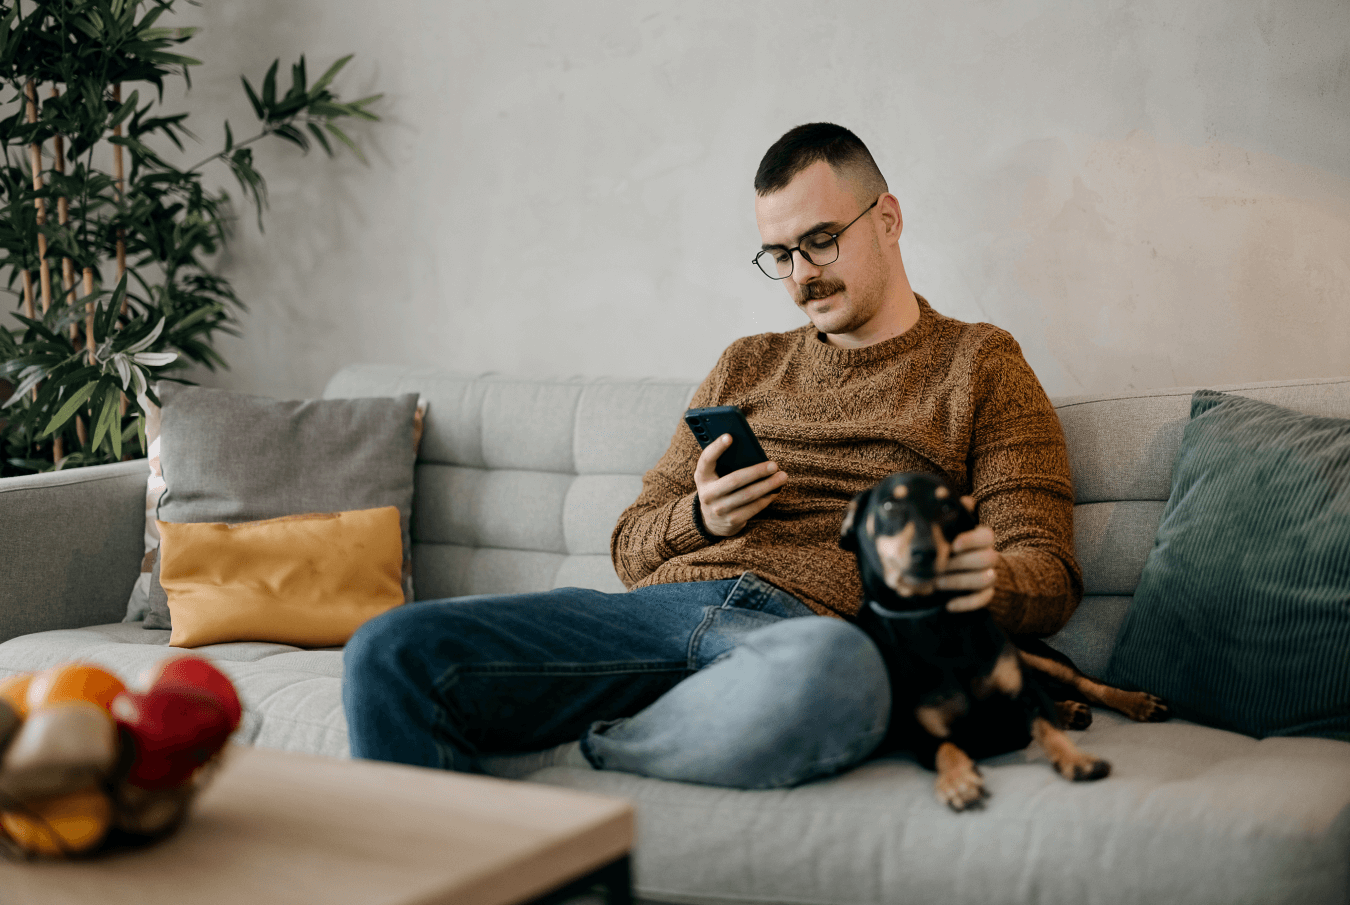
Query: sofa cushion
x=1189 y=814
x=292 y=698
x=1240 y=619
x=228 y=457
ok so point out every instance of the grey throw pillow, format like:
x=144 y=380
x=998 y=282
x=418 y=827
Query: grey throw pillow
x=228 y=457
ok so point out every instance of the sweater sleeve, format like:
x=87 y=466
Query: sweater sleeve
x=660 y=525
x=1019 y=468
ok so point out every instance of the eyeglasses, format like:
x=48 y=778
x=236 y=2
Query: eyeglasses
x=818 y=248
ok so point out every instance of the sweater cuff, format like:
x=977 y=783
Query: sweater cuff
x=698 y=523
x=685 y=532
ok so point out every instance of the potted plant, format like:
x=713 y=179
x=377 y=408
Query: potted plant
x=110 y=266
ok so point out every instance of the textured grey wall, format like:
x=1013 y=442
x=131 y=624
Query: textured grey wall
x=1145 y=193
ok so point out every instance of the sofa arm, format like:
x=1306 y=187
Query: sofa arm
x=71 y=544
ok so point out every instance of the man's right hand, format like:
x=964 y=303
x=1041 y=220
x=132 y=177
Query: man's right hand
x=728 y=502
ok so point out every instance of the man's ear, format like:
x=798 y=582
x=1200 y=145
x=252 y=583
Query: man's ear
x=891 y=217
x=848 y=532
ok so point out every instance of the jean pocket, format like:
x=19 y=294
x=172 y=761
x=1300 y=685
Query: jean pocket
x=754 y=593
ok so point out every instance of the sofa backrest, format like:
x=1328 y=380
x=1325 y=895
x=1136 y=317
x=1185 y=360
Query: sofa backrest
x=520 y=481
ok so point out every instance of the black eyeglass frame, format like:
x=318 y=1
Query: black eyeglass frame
x=834 y=237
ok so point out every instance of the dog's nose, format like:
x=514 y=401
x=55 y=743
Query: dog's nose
x=923 y=558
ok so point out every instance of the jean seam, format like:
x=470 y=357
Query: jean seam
x=691 y=659
x=453 y=675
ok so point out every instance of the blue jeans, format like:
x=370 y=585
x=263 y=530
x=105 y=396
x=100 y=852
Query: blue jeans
x=730 y=683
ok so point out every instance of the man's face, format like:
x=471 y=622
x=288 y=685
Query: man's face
x=842 y=297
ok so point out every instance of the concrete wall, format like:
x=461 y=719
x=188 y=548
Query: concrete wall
x=1146 y=193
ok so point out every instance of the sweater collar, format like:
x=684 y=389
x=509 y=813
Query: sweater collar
x=830 y=359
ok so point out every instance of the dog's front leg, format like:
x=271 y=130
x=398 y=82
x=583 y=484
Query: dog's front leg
x=959 y=784
x=1071 y=762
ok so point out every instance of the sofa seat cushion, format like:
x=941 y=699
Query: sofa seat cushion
x=292 y=697
x=1263 y=821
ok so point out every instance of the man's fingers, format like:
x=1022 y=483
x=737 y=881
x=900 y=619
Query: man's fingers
x=705 y=472
x=974 y=539
x=970 y=602
x=977 y=580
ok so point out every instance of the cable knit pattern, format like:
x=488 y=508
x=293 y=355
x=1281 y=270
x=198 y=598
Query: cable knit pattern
x=945 y=397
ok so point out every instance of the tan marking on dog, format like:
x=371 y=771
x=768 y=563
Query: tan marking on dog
x=1071 y=763
x=959 y=785
x=893 y=551
x=937 y=719
x=1006 y=676
x=1137 y=705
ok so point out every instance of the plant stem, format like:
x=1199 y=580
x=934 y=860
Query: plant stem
x=197 y=166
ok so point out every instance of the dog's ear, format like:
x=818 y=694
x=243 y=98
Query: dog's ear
x=848 y=532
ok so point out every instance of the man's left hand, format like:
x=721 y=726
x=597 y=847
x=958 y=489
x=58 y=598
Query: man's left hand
x=971 y=567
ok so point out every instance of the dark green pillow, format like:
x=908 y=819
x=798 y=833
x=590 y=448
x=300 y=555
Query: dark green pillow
x=1242 y=615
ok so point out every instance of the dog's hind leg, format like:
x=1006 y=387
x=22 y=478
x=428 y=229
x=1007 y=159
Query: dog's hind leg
x=1137 y=705
x=959 y=785
x=1065 y=755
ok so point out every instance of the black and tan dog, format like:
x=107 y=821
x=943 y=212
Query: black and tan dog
x=961 y=688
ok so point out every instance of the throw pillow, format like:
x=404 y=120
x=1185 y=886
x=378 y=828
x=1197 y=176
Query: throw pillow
x=308 y=580
x=228 y=457
x=1241 y=619
x=138 y=605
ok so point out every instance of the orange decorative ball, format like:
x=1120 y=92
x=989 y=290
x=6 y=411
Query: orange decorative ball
x=74 y=682
x=67 y=824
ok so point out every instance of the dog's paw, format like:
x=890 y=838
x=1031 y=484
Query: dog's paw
x=1146 y=708
x=1083 y=767
x=1074 y=714
x=961 y=788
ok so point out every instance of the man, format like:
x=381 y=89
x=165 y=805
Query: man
x=724 y=663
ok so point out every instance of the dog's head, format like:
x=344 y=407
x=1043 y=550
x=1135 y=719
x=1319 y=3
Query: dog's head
x=901 y=531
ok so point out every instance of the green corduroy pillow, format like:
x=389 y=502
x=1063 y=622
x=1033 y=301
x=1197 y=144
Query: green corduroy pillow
x=1241 y=619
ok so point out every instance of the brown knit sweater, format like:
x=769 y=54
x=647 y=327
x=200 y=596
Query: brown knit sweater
x=945 y=397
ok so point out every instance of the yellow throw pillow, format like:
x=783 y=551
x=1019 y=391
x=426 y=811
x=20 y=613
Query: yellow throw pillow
x=307 y=580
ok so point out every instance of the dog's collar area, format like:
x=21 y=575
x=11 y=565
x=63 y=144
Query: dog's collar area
x=886 y=613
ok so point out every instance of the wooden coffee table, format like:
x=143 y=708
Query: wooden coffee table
x=276 y=827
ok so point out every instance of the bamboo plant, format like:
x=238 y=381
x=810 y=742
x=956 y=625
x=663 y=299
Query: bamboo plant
x=105 y=245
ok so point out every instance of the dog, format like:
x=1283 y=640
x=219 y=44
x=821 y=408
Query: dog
x=961 y=688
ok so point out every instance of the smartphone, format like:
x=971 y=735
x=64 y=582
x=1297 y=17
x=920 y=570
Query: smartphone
x=710 y=423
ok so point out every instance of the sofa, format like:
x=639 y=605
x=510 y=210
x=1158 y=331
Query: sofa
x=1189 y=814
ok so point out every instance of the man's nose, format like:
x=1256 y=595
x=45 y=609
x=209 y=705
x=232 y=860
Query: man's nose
x=803 y=271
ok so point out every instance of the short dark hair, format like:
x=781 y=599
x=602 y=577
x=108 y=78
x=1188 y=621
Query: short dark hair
x=807 y=144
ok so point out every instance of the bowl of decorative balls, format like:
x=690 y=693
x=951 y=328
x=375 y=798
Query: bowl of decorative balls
x=88 y=764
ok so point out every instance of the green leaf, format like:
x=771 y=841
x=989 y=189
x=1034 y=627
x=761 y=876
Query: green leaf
x=229 y=138
x=67 y=411
x=253 y=98
x=127 y=108
x=293 y=135
x=105 y=417
x=269 y=94
x=342 y=137
x=328 y=76
x=320 y=138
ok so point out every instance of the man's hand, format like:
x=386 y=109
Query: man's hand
x=971 y=567
x=727 y=503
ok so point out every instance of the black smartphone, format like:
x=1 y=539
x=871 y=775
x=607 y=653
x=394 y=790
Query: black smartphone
x=710 y=423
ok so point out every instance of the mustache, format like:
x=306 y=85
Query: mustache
x=818 y=290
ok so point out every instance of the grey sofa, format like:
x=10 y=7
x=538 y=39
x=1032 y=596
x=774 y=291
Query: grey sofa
x=1190 y=814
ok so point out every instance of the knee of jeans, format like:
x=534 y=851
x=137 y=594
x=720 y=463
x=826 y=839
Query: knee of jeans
x=834 y=692
x=378 y=643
